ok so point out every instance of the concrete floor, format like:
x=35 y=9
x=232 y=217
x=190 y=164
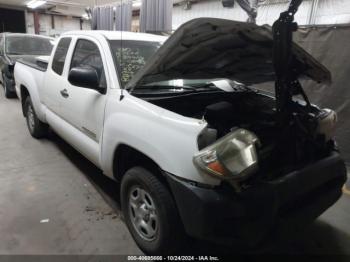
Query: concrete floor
x=54 y=201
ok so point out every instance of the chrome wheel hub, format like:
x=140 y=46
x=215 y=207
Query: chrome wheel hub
x=30 y=117
x=143 y=213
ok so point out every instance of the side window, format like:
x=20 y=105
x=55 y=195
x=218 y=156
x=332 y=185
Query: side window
x=60 y=55
x=87 y=54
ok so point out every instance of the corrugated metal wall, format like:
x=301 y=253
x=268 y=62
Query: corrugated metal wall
x=327 y=12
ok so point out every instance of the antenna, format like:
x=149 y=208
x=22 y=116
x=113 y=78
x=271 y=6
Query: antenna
x=121 y=49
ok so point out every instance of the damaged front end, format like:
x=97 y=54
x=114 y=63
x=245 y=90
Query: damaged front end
x=232 y=158
x=274 y=155
x=251 y=135
x=253 y=149
x=299 y=133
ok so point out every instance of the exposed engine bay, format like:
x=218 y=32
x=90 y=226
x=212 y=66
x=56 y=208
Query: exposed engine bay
x=307 y=138
x=251 y=135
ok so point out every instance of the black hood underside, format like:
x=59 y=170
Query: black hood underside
x=207 y=48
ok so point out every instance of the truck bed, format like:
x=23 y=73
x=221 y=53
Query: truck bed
x=29 y=73
x=39 y=63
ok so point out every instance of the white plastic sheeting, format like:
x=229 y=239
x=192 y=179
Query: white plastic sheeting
x=156 y=16
x=113 y=17
x=103 y=18
x=123 y=16
x=333 y=12
x=269 y=13
x=207 y=9
x=326 y=12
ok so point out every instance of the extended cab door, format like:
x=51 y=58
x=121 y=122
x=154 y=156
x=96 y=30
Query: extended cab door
x=84 y=108
x=2 y=58
x=54 y=88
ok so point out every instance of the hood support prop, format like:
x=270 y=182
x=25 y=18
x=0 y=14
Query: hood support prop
x=287 y=84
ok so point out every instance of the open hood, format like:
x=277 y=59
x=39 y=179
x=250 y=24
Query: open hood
x=207 y=48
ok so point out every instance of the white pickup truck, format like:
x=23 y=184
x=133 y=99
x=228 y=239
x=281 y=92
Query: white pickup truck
x=176 y=121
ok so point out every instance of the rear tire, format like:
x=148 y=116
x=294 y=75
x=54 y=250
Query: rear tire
x=8 y=93
x=36 y=128
x=150 y=213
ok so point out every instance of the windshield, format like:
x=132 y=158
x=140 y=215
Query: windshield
x=130 y=56
x=27 y=45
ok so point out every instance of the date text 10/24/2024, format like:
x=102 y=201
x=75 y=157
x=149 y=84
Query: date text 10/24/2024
x=173 y=258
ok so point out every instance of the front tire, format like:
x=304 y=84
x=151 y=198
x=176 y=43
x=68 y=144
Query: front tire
x=150 y=213
x=36 y=128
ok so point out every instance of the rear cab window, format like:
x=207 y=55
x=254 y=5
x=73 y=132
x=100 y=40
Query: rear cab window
x=60 y=55
x=21 y=44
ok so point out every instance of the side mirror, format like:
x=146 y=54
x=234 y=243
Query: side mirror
x=86 y=77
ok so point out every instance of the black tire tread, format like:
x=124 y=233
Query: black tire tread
x=8 y=94
x=40 y=128
x=175 y=235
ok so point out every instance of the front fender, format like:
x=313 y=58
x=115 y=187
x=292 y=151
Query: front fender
x=167 y=138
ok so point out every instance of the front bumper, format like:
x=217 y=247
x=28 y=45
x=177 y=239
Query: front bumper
x=277 y=207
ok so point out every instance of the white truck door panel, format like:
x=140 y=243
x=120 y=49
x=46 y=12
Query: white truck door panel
x=84 y=108
x=53 y=82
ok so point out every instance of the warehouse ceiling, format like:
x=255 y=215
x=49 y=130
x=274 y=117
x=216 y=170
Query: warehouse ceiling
x=69 y=7
x=23 y=3
x=66 y=7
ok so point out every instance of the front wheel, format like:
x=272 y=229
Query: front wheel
x=36 y=128
x=150 y=213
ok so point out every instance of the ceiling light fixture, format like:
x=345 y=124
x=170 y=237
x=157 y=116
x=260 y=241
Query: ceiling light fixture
x=36 y=3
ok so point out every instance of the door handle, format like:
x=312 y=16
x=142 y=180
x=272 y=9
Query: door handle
x=64 y=93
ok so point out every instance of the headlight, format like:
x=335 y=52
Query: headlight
x=232 y=157
x=327 y=121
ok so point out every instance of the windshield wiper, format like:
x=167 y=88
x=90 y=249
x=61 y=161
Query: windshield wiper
x=164 y=87
x=214 y=87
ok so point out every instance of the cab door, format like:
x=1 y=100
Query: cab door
x=84 y=108
x=2 y=57
x=54 y=89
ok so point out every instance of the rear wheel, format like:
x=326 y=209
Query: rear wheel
x=8 y=93
x=36 y=128
x=150 y=213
